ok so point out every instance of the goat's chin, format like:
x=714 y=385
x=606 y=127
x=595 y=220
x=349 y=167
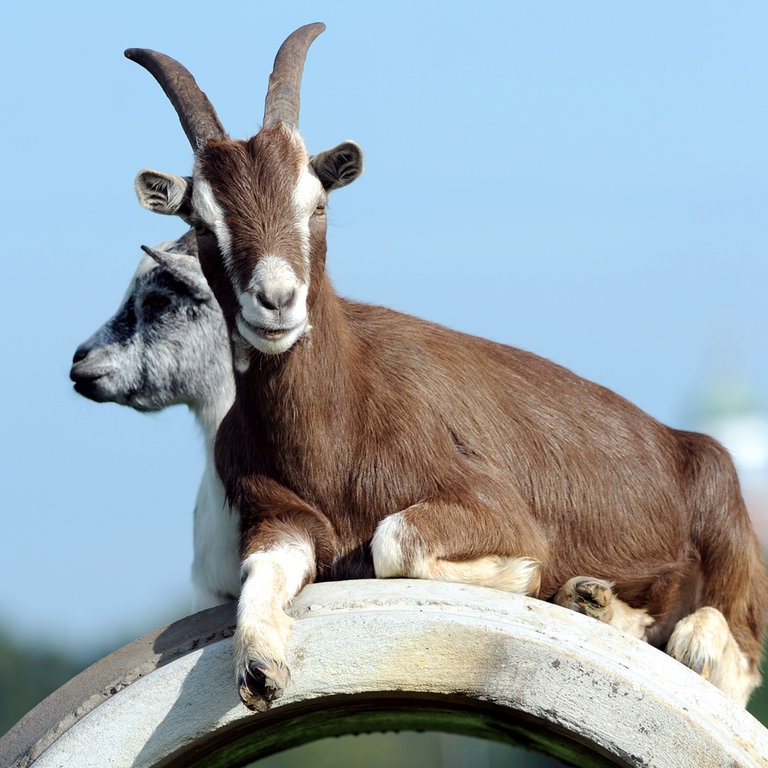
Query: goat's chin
x=99 y=391
x=271 y=341
x=93 y=391
x=101 y=387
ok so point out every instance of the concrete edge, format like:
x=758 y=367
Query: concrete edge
x=170 y=695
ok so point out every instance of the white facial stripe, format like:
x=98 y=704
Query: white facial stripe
x=207 y=207
x=305 y=198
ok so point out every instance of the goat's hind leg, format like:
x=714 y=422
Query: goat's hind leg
x=703 y=641
x=424 y=542
x=595 y=598
x=583 y=594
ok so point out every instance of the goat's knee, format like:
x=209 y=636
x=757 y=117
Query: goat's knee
x=703 y=641
x=394 y=547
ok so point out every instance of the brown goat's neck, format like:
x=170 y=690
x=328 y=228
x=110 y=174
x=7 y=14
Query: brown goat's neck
x=299 y=395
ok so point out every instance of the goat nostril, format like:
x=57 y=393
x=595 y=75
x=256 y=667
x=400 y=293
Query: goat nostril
x=264 y=300
x=80 y=354
x=287 y=298
x=276 y=301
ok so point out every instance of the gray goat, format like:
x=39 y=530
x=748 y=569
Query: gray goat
x=167 y=344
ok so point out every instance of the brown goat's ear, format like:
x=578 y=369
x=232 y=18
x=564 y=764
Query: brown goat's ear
x=165 y=193
x=339 y=166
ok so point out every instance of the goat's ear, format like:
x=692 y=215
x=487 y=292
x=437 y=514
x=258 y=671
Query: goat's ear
x=339 y=166
x=165 y=193
x=184 y=266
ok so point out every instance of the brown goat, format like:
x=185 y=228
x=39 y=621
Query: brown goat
x=366 y=442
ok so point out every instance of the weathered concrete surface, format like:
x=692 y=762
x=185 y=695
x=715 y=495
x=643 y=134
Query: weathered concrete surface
x=515 y=665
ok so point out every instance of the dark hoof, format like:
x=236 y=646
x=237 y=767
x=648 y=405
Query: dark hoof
x=261 y=683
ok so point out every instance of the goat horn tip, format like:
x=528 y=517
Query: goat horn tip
x=133 y=53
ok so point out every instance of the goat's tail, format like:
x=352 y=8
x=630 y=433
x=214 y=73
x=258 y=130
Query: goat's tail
x=734 y=578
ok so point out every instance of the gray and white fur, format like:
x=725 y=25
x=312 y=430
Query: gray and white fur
x=167 y=344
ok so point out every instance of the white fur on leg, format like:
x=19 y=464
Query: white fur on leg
x=270 y=580
x=387 y=546
x=703 y=642
x=633 y=621
x=513 y=574
x=398 y=551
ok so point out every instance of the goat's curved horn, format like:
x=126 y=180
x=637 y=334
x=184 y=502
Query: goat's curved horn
x=196 y=113
x=282 y=102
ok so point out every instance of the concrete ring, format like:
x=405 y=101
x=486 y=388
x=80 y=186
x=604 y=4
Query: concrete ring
x=376 y=655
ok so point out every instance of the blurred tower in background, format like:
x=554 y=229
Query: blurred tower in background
x=729 y=409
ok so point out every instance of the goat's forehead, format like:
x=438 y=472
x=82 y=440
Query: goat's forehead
x=267 y=168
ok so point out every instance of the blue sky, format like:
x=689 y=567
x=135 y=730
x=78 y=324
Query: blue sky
x=585 y=180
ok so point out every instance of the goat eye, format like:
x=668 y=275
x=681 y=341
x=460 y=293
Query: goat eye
x=156 y=301
x=320 y=209
x=201 y=230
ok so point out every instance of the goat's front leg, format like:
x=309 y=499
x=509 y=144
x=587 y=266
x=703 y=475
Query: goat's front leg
x=271 y=578
x=461 y=541
x=282 y=541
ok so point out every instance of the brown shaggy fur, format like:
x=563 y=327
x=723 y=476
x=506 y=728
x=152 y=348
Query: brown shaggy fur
x=504 y=452
x=482 y=449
